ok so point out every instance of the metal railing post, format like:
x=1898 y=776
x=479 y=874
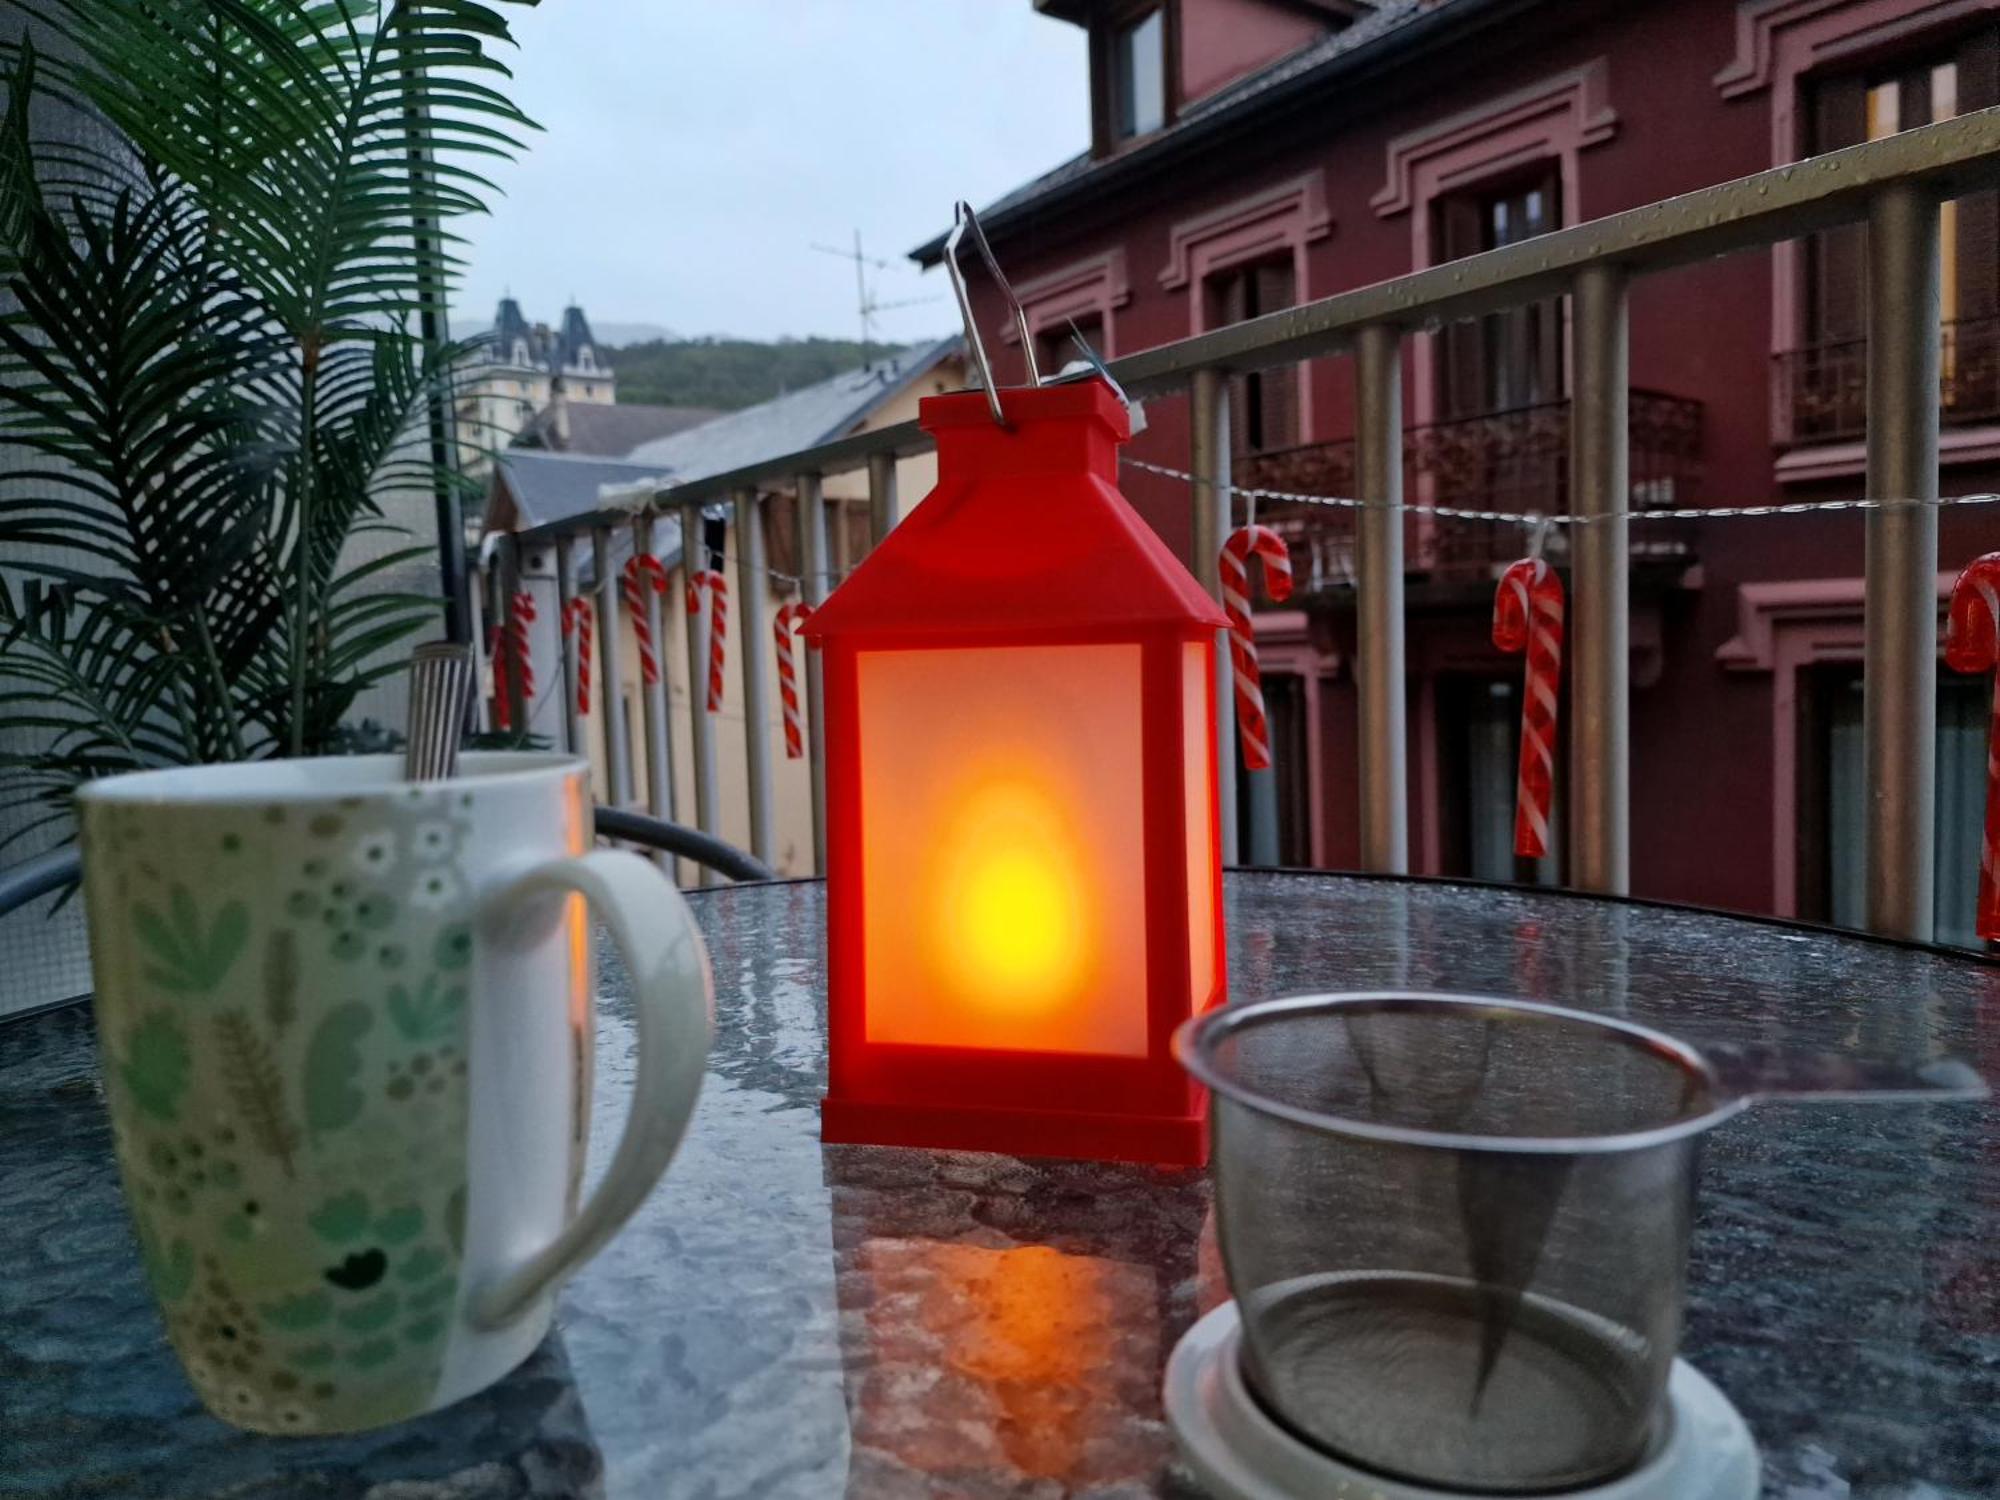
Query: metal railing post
x=694 y=558
x=1899 y=671
x=617 y=765
x=881 y=496
x=475 y=604
x=812 y=583
x=756 y=672
x=660 y=798
x=572 y=643
x=1378 y=586
x=1601 y=680
x=1208 y=411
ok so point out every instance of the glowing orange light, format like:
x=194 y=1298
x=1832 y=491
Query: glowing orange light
x=1011 y=921
x=1028 y=1354
x=998 y=848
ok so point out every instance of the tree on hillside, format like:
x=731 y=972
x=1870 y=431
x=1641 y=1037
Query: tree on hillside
x=732 y=373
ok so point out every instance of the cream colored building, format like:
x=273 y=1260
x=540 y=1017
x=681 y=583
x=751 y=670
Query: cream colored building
x=536 y=489
x=498 y=399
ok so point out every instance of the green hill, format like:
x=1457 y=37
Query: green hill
x=730 y=373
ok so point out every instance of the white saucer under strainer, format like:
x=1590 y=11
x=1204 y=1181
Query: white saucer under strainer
x=1704 y=1452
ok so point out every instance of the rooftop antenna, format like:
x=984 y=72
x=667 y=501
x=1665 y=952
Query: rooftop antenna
x=866 y=303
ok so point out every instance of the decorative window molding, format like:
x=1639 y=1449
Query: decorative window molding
x=1098 y=285
x=1776 y=40
x=1557 y=117
x=1779 y=42
x=1284 y=218
x=1554 y=120
x=1785 y=627
x=1293 y=213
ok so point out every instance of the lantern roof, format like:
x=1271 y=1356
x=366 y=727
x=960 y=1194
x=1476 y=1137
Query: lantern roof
x=1025 y=534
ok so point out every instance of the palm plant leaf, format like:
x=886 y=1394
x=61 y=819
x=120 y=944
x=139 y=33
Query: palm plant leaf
x=215 y=376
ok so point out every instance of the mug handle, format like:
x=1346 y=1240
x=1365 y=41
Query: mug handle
x=674 y=997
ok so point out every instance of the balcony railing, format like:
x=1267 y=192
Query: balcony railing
x=1894 y=186
x=1821 y=392
x=1514 y=460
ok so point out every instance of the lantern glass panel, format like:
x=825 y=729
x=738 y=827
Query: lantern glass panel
x=1196 y=674
x=1003 y=870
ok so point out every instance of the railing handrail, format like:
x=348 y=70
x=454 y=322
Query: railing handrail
x=1947 y=159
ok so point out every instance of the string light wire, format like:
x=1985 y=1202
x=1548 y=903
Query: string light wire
x=1529 y=518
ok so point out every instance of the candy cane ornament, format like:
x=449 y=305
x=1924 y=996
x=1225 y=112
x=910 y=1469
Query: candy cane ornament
x=643 y=571
x=496 y=653
x=790 y=618
x=520 y=620
x=1528 y=617
x=1243 y=542
x=717 y=588
x=579 y=620
x=1972 y=644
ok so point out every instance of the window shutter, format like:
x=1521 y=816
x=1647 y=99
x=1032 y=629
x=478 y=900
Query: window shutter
x=1277 y=387
x=1461 y=370
x=1835 y=258
x=1229 y=300
x=1979 y=214
x=1545 y=354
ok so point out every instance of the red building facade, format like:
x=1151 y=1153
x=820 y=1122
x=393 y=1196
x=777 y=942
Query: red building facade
x=1251 y=154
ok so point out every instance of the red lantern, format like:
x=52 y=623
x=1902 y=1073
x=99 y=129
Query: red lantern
x=1023 y=882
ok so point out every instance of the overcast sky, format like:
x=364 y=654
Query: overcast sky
x=692 y=153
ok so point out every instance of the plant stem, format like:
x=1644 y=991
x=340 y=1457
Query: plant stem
x=190 y=732
x=302 y=610
x=225 y=700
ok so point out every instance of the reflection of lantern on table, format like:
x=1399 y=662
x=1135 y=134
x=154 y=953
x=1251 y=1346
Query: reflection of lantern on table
x=1023 y=892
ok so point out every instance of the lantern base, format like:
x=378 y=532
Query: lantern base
x=1161 y=1140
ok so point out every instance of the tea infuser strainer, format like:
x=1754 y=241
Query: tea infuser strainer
x=1456 y=1227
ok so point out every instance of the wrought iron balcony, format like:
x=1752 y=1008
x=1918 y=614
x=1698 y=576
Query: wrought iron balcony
x=1514 y=460
x=1820 y=393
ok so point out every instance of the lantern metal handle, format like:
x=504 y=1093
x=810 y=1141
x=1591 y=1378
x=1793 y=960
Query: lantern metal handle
x=965 y=221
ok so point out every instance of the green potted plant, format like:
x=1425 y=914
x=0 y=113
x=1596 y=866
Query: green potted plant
x=217 y=365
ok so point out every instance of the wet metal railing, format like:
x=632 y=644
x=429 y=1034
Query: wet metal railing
x=1894 y=186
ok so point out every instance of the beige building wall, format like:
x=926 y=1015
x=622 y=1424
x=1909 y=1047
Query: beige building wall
x=494 y=404
x=792 y=846
x=791 y=789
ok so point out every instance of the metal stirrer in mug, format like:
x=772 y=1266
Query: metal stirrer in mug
x=440 y=692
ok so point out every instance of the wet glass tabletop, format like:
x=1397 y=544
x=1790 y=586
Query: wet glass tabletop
x=783 y=1319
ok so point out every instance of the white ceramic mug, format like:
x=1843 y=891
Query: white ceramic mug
x=346 y=1030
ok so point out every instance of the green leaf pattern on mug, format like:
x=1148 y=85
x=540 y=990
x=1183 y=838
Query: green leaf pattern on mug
x=170 y=1267
x=341 y=1219
x=188 y=957
x=291 y=1120
x=251 y=1075
x=156 y=1065
x=333 y=1062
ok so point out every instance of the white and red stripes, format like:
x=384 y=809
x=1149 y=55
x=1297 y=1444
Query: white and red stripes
x=1235 y=569
x=1972 y=644
x=1528 y=617
x=643 y=571
x=496 y=652
x=717 y=588
x=520 y=626
x=790 y=617
x=579 y=620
